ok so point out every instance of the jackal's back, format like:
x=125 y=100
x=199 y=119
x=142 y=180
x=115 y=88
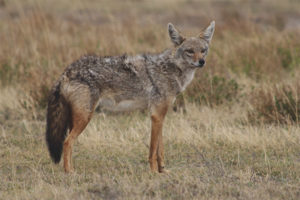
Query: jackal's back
x=122 y=82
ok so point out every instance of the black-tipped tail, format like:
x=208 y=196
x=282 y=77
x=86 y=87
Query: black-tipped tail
x=58 y=121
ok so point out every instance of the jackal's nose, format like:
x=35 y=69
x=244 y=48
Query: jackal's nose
x=201 y=62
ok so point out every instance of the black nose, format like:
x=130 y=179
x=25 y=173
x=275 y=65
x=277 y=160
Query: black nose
x=201 y=62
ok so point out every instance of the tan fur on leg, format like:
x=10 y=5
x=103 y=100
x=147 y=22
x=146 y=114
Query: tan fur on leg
x=80 y=119
x=156 y=154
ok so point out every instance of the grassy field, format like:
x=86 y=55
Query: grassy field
x=240 y=137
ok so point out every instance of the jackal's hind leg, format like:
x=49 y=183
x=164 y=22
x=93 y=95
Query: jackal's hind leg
x=156 y=154
x=80 y=119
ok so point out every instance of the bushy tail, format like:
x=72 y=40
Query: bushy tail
x=58 y=121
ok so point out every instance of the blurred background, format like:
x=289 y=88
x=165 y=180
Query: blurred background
x=256 y=43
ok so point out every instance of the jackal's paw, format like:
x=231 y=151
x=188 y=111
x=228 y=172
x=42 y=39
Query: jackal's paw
x=153 y=165
x=69 y=170
x=163 y=170
x=154 y=169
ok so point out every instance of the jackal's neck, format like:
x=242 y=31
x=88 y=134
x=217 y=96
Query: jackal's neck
x=177 y=70
x=168 y=57
x=166 y=54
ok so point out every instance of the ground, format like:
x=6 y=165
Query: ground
x=239 y=138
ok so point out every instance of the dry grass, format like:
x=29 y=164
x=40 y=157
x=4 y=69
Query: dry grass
x=215 y=151
x=281 y=104
x=209 y=154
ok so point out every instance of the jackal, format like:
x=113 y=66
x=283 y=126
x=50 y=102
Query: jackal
x=123 y=83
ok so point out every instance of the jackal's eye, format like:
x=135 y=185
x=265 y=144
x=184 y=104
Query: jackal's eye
x=203 y=50
x=189 y=52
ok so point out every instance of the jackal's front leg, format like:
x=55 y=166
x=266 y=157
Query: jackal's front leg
x=156 y=154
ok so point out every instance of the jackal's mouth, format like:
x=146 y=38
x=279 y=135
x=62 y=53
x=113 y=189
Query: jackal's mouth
x=199 y=65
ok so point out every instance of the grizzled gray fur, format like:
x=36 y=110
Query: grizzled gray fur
x=122 y=83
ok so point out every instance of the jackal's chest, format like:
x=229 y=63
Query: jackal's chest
x=187 y=79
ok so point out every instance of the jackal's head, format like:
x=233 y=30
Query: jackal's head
x=191 y=51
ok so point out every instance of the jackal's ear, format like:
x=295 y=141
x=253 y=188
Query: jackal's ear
x=208 y=33
x=175 y=36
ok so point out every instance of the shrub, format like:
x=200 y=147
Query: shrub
x=279 y=104
x=213 y=91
